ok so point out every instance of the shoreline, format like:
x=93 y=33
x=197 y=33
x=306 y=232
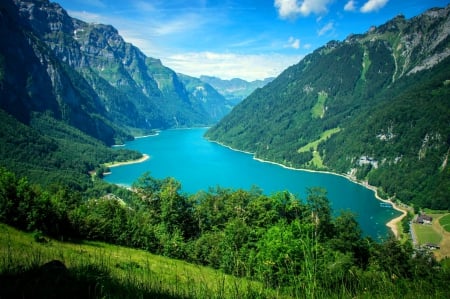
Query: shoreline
x=391 y=224
x=144 y=158
x=146 y=136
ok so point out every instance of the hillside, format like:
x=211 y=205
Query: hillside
x=51 y=152
x=276 y=246
x=206 y=96
x=54 y=269
x=87 y=76
x=380 y=99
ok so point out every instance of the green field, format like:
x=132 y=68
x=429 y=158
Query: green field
x=318 y=111
x=317 y=159
x=445 y=222
x=97 y=269
x=426 y=234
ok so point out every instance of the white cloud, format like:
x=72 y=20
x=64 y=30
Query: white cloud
x=329 y=27
x=293 y=43
x=373 y=5
x=288 y=9
x=180 y=24
x=230 y=65
x=350 y=6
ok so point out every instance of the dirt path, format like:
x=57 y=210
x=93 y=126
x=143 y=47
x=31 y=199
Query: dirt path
x=444 y=251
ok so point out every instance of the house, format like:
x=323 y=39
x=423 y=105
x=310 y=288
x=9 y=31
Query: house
x=431 y=246
x=424 y=219
x=364 y=160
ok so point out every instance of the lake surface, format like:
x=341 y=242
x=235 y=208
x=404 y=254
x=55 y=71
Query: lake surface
x=199 y=164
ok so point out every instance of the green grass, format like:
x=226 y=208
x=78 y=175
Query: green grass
x=366 y=64
x=97 y=269
x=445 y=222
x=317 y=159
x=318 y=110
x=426 y=234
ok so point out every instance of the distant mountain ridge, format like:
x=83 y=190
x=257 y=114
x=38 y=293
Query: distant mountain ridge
x=214 y=102
x=374 y=106
x=88 y=76
x=234 y=90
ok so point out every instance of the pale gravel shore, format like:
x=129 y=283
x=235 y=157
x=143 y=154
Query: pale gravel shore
x=144 y=158
x=392 y=224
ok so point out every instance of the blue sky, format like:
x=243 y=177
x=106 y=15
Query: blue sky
x=248 y=39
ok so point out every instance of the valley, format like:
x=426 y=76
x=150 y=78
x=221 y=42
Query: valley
x=87 y=209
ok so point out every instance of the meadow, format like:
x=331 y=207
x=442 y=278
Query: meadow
x=427 y=234
x=95 y=269
x=445 y=222
x=436 y=233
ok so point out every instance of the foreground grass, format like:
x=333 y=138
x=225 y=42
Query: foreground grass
x=94 y=269
x=36 y=267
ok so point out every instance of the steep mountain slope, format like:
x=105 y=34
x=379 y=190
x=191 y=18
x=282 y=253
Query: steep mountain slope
x=234 y=90
x=363 y=106
x=86 y=75
x=204 y=95
x=33 y=80
x=51 y=152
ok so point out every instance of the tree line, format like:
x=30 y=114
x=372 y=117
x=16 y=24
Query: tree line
x=288 y=243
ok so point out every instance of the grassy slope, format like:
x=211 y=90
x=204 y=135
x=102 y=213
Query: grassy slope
x=318 y=110
x=445 y=222
x=317 y=159
x=109 y=271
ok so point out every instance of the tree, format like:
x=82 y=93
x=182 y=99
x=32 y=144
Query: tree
x=347 y=232
x=320 y=209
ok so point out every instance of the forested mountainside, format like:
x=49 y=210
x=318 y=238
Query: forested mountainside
x=203 y=94
x=375 y=106
x=87 y=76
x=234 y=90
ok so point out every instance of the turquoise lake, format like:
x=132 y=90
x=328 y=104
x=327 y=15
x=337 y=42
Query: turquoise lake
x=199 y=164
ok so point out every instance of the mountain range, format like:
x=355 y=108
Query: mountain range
x=87 y=76
x=374 y=107
x=235 y=90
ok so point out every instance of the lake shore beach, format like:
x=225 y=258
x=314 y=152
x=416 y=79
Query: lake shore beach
x=144 y=158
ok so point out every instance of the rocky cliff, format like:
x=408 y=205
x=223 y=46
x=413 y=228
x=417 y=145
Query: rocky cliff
x=87 y=75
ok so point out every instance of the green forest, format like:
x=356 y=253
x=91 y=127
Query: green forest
x=48 y=151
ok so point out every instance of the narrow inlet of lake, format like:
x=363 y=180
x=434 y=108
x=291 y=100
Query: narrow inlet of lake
x=199 y=165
